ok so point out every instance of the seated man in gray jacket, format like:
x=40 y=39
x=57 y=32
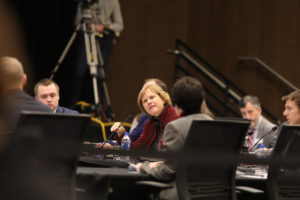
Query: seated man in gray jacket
x=187 y=96
x=261 y=130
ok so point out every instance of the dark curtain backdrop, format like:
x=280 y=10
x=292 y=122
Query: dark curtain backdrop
x=47 y=26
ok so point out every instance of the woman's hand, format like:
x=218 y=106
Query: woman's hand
x=150 y=165
x=138 y=167
x=106 y=146
x=118 y=128
x=155 y=164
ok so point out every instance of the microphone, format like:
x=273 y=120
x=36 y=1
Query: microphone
x=273 y=129
x=129 y=118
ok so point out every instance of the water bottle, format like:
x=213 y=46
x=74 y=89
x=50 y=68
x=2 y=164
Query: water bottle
x=125 y=145
x=261 y=170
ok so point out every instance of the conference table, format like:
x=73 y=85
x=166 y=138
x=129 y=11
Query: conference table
x=113 y=172
x=99 y=176
x=110 y=177
x=249 y=179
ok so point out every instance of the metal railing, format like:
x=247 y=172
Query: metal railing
x=228 y=94
x=291 y=86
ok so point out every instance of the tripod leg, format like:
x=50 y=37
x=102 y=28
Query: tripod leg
x=104 y=84
x=65 y=51
x=92 y=60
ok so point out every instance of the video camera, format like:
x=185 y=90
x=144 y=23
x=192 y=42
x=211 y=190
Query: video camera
x=89 y=10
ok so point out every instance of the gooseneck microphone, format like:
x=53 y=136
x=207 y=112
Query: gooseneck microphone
x=273 y=129
x=129 y=118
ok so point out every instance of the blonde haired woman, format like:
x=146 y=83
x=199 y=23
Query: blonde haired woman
x=156 y=103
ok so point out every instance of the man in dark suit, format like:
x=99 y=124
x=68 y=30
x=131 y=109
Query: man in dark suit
x=259 y=126
x=47 y=92
x=15 y=100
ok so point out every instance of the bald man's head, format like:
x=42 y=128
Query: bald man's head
x=12 y=74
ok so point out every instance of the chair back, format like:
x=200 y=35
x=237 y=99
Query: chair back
x=43 y=155
x=202 y=179
x=284 y=181
x=99 y=131
x=95 y=131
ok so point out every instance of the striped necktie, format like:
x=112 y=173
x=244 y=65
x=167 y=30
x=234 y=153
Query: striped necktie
x=251 y=138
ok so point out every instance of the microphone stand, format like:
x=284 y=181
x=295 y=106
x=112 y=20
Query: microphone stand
x=130 y=117
x=273 y=129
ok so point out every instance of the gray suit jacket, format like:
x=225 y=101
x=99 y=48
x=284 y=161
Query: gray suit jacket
x=265 y=127
x=173 y=141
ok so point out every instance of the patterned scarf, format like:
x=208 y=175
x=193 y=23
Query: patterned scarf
x=158 y=128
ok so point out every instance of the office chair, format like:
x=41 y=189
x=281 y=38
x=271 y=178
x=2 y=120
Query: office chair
x=98 y=131
x=95 y=131
x=201 y=180
x=283 y=182
x=42 y=157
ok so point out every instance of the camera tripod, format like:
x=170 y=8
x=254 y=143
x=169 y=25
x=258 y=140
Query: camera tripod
x=96 y=66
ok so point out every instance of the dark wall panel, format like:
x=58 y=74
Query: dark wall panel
x=222 y=31
x=151 y=28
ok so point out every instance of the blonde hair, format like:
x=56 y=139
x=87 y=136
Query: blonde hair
x=157 y=82
x=155 y=89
